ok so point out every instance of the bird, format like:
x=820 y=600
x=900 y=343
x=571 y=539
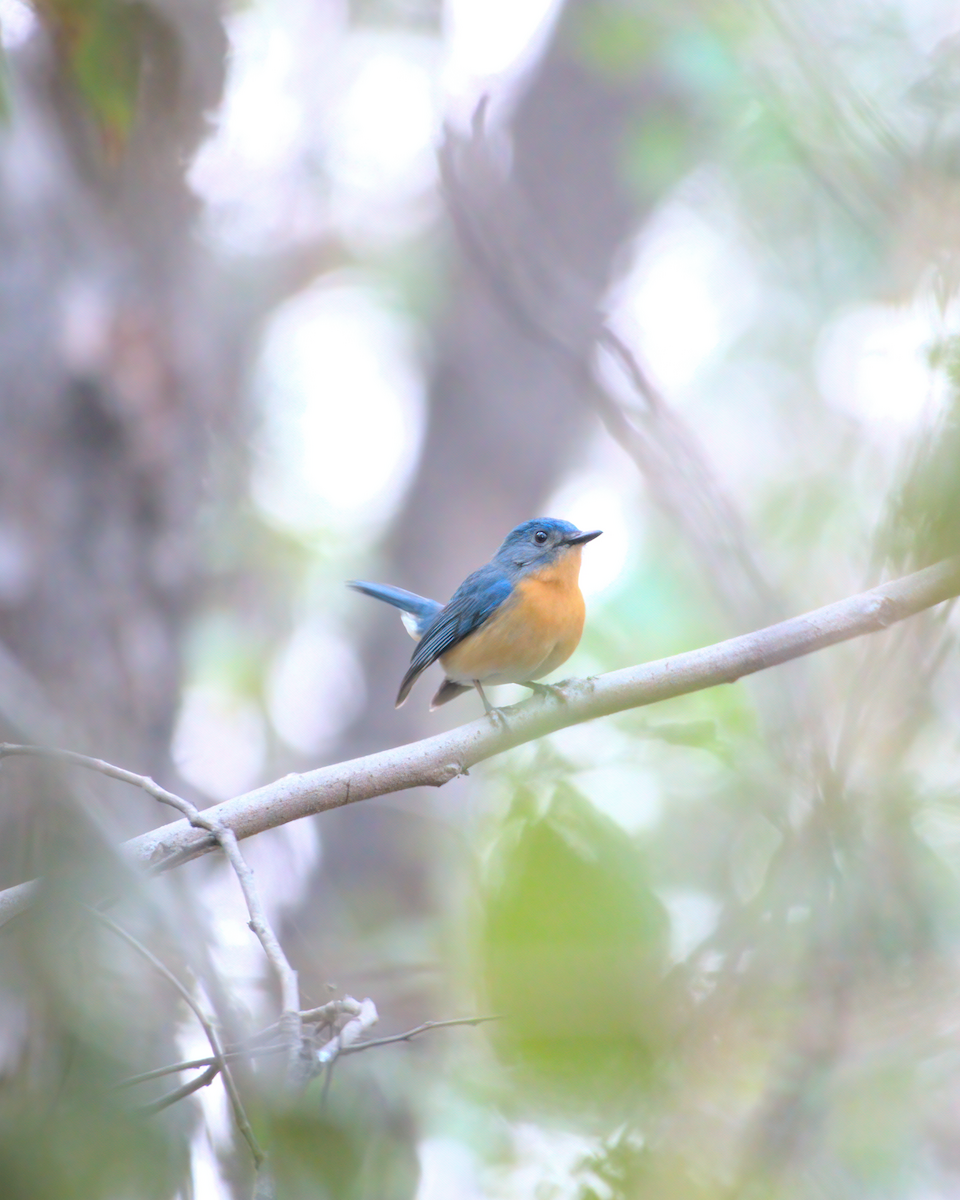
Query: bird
x=514 y=620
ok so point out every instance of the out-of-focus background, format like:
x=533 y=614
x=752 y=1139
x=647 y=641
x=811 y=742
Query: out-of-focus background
x=307 y=290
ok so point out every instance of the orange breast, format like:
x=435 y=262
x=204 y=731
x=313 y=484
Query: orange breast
x=530 y=635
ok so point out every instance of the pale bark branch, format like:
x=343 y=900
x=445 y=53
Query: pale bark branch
x=437 y=760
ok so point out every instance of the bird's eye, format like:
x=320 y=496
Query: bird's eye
x=540 y=536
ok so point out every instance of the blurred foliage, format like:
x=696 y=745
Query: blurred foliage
x=93 y=1014
x=337 y=1152
x=924 y=523
x=316 y=1157
x=574 y=949
x=103 y=44
x=4 y=88
x=76 y=1141
x=722 y=936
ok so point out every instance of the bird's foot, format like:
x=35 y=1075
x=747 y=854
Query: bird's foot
x=495 y=714
x=547 y=689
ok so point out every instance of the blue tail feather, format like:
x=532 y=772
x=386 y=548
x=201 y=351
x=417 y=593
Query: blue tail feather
x=417 y=611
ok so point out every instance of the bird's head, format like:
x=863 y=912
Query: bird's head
x=536 y=544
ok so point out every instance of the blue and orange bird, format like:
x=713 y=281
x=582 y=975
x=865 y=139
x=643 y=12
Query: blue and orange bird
x=513 y=621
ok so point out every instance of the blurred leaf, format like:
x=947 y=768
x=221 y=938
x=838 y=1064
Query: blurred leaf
x=702 y=734
x=350 y=1147
x=652 y=612
x=72 y=1139
x=574 y=948
x=314 y=1156
x=902 y=898
x=225 y=652
x=4 y=88
x=873 y=1124
x=925 y=521
x=102 y=41
x=751 y=854
x=659 y=151
x=702 y=62
x=626 y=1168
x=615 y=39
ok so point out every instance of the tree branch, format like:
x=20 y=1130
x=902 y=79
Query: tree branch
x=437 y=760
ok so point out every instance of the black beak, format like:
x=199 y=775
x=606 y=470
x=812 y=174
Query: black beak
x=579 y=539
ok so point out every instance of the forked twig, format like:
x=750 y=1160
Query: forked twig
x=287 y=976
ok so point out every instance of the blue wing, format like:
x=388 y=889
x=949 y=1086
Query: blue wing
x=422 y=612
x=474 y=602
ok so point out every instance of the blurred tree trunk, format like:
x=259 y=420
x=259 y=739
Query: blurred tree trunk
x=506 y=421
x=112 y=374
x=115 y=367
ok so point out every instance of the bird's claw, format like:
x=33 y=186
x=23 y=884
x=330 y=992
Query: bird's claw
x=547 y=689
x=495 y=714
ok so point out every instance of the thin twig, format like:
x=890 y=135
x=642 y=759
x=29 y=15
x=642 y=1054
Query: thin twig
x=326 y=1014
x=327 y=1080
x=258 y=1045
x=239 y=1113
x=412 y=1033
x=287 y=976
x=194 y=1064
x=290 y=1024
x=350 y=1033
x=326 y=1057
x=185 y=1090
x=71 y=759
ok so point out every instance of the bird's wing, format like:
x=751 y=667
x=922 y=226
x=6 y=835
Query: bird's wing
x=474 y=602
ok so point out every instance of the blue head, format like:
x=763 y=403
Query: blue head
x=539 y=543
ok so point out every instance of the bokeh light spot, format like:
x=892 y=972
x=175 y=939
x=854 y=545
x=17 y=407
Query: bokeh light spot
x=342 y=407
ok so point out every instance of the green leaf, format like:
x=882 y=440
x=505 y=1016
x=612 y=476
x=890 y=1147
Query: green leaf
x=314 y=1156
x=4 y=89
x=102 y=42
x=77 y=1140
x=614 y=40
x=574 y=948
x=350 y=1147
x=924 y=524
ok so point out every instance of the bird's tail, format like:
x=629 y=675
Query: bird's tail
x=416 y=612
x=447 y=691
